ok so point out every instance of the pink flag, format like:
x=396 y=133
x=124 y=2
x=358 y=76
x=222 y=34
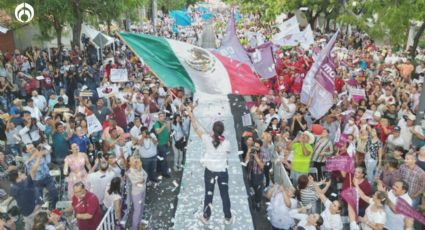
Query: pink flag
x=349 y=195
x=342 y=140
x=319 y=84
x=404 y=208
x=340 y=163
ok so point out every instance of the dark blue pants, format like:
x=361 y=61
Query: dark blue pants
x=256 y=182
x=149 y=164
x=223 y=186
x=48 y=183
x=162 y=162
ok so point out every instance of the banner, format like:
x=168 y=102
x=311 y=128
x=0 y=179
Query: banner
x=367 y=115
x=349 y=195
x=119 y=75
x=262 y=58
x=404 y=208
x=319 y=84
x=280 y=175
x=294 y=38
x=287 y=29
x=290 y=25
x=340 y=163
x=231 y=46
x=357 y=94
x=93 y=124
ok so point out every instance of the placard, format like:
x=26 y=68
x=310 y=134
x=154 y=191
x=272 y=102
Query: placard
x=107 y=90
x=93 y=124
x=86 y=93
x=119 y=75
x=246 y=120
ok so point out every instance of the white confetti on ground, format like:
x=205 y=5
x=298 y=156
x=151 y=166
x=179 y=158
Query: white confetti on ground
x=191 y=196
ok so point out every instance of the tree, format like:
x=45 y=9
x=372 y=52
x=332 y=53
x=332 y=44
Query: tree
x=386 y=18
x=52 y=14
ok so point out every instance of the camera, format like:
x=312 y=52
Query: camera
x=99 y=154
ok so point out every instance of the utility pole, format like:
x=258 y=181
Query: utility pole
x=154 y=11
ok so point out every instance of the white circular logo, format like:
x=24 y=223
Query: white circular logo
x=24 y=12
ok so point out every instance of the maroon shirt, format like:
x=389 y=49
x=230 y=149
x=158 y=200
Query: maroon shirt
x=364 y=186
x=89 y=204
x=120 y=117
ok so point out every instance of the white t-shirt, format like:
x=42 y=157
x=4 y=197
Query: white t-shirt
x=294 y=213
x=405 y=133
x=98 y=181
x=395 y=221
x=279 y=212
x=395 y=142
x=109 y=199
x=287 y=114
x=40 y=102
x=135 y=131
x=330 y=221
x=374 y=217
x=148 y=149
x=215 y=159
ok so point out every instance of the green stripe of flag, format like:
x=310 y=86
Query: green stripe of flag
x=158 y=55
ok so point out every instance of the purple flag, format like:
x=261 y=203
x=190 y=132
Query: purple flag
x=262 y=58
x=342 y=163
x=231 y=46
x=349 y=195
x=404 y=208
x=319 y=84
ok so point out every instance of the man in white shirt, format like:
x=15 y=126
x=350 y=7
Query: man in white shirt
x=98 y=181
x=135 y=130
x=39 y=101
x=399 y=190
x=179 y=100
x=139 y=106
x=30 y=132
x=287 y=108
x=406 y=129
x=272 y=114
x=394 y=139
x=34 y=111
x=148 y=151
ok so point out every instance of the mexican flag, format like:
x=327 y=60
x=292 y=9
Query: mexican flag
x=180 y=64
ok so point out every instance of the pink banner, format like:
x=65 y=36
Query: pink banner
x=349 y=195
x=404 y=208
x=340 y=163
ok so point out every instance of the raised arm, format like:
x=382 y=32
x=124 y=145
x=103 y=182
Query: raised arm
x=194 y=125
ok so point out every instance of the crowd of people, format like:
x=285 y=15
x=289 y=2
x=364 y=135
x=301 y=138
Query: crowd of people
x=50 y=106
x=376 y=129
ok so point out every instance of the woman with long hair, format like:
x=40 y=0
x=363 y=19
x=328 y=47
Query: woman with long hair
x=138 y=178
x=178 y=141
x=74 y=167
x=113 y=199
x=374 y=153
x=217 y=149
